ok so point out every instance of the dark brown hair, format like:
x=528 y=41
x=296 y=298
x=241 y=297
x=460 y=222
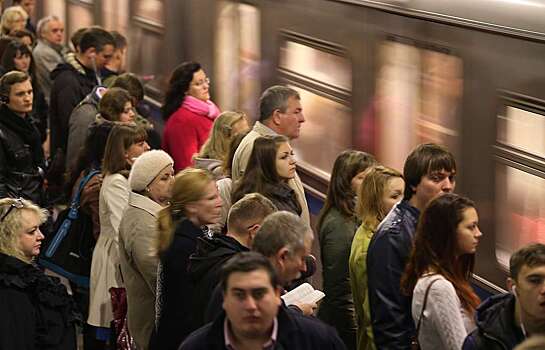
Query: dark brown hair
x=436 y=245
x=120 y=139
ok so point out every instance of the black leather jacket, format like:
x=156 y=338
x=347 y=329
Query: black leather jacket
x=20 y=174
x=388 y=252
x=496 y=328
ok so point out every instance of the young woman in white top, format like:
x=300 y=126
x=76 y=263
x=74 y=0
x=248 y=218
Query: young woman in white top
x=443 y=254
x=125 y=143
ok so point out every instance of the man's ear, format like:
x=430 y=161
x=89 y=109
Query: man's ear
x=276 y=117
x=281 y=256
x=252 y=231
x=91 y=53
x=510 y=285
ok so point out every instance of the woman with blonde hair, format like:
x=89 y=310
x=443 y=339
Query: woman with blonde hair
x=125 y=143
x=13 y=19
x=194 y=203
x=215 y=150
x=37 y=312
x=379 y=191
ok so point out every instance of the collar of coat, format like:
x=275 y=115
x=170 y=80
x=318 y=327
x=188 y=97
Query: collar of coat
x=144 y=203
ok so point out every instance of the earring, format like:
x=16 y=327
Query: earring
x=147 y=189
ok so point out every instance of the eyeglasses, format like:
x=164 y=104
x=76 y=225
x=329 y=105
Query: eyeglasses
x=17 y=203
x=202 y=82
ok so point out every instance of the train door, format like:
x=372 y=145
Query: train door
x=238 y=57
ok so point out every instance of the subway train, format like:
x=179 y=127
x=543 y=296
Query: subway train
x=378 y=76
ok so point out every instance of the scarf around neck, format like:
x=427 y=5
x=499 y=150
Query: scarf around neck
x=205 y=108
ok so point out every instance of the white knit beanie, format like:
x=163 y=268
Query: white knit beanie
x=146 y=167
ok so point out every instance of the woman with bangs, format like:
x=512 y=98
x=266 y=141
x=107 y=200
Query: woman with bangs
x=336 y=228
x=381 y=188
x=437 y=274
x=37 y=312
x=271 y=165
x=18 y=56
x=125 y=143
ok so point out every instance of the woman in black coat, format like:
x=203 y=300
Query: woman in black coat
x=195 y=202
x=37 y=313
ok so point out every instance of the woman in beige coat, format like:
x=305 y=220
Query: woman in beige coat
x=124 y=145
x=150 y=180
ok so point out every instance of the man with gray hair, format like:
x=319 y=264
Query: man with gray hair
x=280 y=113
x=49 y=51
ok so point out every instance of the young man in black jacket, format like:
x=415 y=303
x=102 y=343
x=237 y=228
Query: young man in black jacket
x=505 y=320
x=245 y=218
x=254 y=317
x=21 y=155
x=429 y=172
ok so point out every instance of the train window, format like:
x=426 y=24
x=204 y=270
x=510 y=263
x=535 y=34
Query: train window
x=523 y=130
x=58 y=8
x=239 y=55
x=115 y=15
x=520 y=197
x=327 y=127
x=79 y=16
x=149 y=11
x=418 y=91
x=318 y=65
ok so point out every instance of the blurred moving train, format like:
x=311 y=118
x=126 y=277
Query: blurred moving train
x=379 y=76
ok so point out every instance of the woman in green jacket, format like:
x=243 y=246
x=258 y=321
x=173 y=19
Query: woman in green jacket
x=336 y=228
x=380 y=190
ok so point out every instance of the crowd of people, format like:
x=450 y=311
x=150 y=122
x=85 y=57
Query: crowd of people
x=206 y=226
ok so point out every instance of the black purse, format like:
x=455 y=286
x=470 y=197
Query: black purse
x=414 y=340
x=68 y=250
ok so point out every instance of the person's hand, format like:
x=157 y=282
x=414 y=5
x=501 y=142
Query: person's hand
x=307 y=309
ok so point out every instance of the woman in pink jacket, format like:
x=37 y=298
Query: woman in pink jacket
x=188 y=113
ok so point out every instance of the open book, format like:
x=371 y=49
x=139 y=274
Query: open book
x=304 y=294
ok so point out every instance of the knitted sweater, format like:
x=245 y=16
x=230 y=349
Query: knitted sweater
x=445 y=323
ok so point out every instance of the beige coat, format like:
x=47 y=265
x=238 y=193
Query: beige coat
x=242 y=156
x=114 y=196
x=137 y=232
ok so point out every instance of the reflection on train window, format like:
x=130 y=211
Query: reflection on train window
x=523 y=130
x=520 y=215
x=79 y=16
x=327 y=128
x=418 y=92
x=115 y=15
x=238 y=50
x=318 y=65
x=142 y=62
x=150 y=10
x=56 y=7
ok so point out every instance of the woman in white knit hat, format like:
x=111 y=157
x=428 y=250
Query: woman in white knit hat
x=150 y=180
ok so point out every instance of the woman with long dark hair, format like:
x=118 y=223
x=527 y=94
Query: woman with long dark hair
x=440 y=265
x=188 y=113
x=271 y=165
x=18 y=56
x=336 y=228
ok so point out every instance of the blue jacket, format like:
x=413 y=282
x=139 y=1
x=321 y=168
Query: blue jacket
x=389 y=250
x=295 y=331
x=496 y=328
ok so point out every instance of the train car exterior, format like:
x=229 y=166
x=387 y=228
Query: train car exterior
x=380 y=76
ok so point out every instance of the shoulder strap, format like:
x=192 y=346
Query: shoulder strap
x=74 y=204
x=424 y=304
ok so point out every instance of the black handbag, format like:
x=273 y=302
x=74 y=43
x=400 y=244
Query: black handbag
x=68 y=250
x=414 y=340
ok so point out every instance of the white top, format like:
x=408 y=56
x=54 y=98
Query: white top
x=445 y=323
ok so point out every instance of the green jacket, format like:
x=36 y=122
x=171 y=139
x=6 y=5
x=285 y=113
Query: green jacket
x=358 y=281
x=337 y=308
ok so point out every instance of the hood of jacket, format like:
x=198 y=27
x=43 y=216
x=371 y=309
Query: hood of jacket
x=211 y=252
x=495 y=320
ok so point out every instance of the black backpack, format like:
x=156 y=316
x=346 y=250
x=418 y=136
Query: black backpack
x=68 y=250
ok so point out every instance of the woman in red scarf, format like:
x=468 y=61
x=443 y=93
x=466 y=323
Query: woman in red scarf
x=188 y=113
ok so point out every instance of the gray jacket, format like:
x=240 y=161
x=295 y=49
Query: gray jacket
x=46 y=58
